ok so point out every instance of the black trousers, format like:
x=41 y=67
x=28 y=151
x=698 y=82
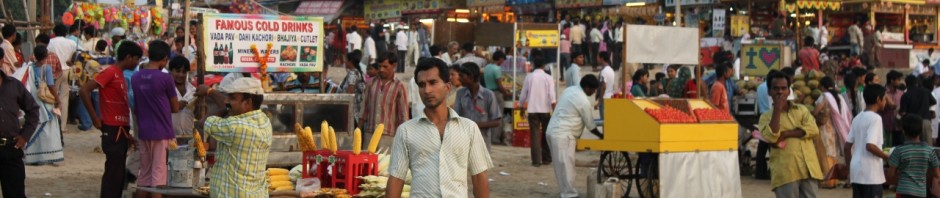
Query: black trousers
x=867 y=191
x=114 y=144
x=402 y=62
x=538 y=124
x=13 y=174
x=762 y=171
x=595 y=47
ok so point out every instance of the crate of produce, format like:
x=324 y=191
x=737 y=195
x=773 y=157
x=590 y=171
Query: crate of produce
x=664 y=125
x=346 y=166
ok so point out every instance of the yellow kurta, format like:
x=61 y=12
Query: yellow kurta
x=798 y=159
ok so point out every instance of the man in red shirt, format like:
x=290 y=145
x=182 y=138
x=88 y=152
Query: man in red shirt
x=115 y=117
x=809 y=56
x=719 y=94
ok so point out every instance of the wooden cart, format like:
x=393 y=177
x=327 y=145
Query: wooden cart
x=633 y=140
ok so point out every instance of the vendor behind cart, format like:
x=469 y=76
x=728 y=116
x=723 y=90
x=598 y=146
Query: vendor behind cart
x=572 y=116
x=244 y=142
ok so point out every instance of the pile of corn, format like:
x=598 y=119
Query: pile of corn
x=278 y=180
x=374 y=186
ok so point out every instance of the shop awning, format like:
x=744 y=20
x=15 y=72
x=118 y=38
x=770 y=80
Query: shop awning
x=813 y=5
x=485 y=3
x=319 y=7
x=382 y=9
x=426 y=6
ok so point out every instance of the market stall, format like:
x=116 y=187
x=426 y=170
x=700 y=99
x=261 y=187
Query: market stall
x=684 y=146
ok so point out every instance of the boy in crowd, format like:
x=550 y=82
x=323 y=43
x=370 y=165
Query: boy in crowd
x=156 y=100
x=866 y=168
x=912 y=160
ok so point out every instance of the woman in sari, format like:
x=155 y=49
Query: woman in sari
x=676 y=87
x=833 y=117
x=45 y=146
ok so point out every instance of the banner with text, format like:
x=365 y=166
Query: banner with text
x=758 y=59
x=297 y=43
x=539 y=38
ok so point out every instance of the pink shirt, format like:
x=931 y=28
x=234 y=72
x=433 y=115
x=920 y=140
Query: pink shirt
x=810 y=59
x=538 y=92
x=565 y=46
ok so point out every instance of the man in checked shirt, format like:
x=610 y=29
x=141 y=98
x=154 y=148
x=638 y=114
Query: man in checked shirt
x=440 y=148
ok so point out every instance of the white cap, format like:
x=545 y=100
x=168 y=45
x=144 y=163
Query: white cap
x=118 y=31
x=243 y=85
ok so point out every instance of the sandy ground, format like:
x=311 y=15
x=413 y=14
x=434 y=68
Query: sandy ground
x=80 y=174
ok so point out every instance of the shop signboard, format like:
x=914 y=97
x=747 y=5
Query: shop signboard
x=382 y=9
x=538 y=38
x=577 y=3
x=296 y=43
x=523 y=2
x=718 y=22
x=422 y=7
x=484 y=3
x=740 y=24
x=671 y=3
x=624 y=2
x=758 y=59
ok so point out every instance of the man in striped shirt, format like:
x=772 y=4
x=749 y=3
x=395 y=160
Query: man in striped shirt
x=244 y=142
x=912 y=162
x=440 y=148
x=386 y=100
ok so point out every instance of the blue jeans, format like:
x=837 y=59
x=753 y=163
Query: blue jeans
x=855 y=49
x=84 y=119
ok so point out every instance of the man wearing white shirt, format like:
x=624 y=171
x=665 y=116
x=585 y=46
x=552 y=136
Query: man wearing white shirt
x=401 y=42
x=573 y=115
x=64 y=48
x=369 y=51
x=576 y=35
x=618 y=47
x=538 y=97
x=353 y=39
x=824 y=34
x=607 y=75
x=596 y=38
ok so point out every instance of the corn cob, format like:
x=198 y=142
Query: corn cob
x=333 y=146
x=308 y=134
x=376 y=135
x=277 y=171
x=357 y=142
x=197 y=141
x=324 y=134
x=301 y=140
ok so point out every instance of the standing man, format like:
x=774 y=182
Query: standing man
x=596 y=39
x=386 y=100
x=9 y=63
x=401 y=43
x=478 y=103
x=855 y=38
x=466 y=55
x=493 y=78
x=573 y=73
x=576 y=35
x=440 y=148
x=353 y=39
x=244 y=141
x=115 y=117
x=917 y=100
x=809 y=56
x=13 y=136
x=573 y=115
x=155 y=102
x=608 y=80
x=790 y=128
x=64 y=48
x=538 y=97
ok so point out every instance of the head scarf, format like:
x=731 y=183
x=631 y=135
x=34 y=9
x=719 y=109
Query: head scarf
x=676 y=87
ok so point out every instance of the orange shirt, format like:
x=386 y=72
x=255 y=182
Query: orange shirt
x=719 y=96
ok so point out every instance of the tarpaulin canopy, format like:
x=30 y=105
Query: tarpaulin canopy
x=662 y=44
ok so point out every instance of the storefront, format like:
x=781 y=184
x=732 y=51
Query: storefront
x=907 y=28
x=532 y=10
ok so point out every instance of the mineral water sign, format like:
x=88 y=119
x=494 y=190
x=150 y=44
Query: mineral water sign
x=296 y=43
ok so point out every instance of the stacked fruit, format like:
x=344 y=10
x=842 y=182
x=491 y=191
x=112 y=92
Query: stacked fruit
x=806 y=87
x=712 y=115
x=374 y=186
x=668 y=114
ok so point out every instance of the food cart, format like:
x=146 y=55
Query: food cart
x=683 y=147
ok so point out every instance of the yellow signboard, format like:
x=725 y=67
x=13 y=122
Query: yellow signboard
x=739 y=25
x=758 y=59
x=538 y=38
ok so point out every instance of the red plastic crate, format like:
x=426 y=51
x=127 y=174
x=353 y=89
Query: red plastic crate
x=346 y=167
x=521 y=138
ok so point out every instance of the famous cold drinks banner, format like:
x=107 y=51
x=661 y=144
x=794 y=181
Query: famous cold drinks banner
x=296 y=42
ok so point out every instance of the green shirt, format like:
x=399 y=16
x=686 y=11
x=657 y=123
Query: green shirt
x=797 y=160
x=912 y=162
x=491 y=73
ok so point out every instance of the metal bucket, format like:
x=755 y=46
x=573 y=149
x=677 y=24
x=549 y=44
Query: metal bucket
x=180 y=167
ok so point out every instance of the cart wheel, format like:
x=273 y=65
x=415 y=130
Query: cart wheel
x=616 y=164
x=647 y=184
